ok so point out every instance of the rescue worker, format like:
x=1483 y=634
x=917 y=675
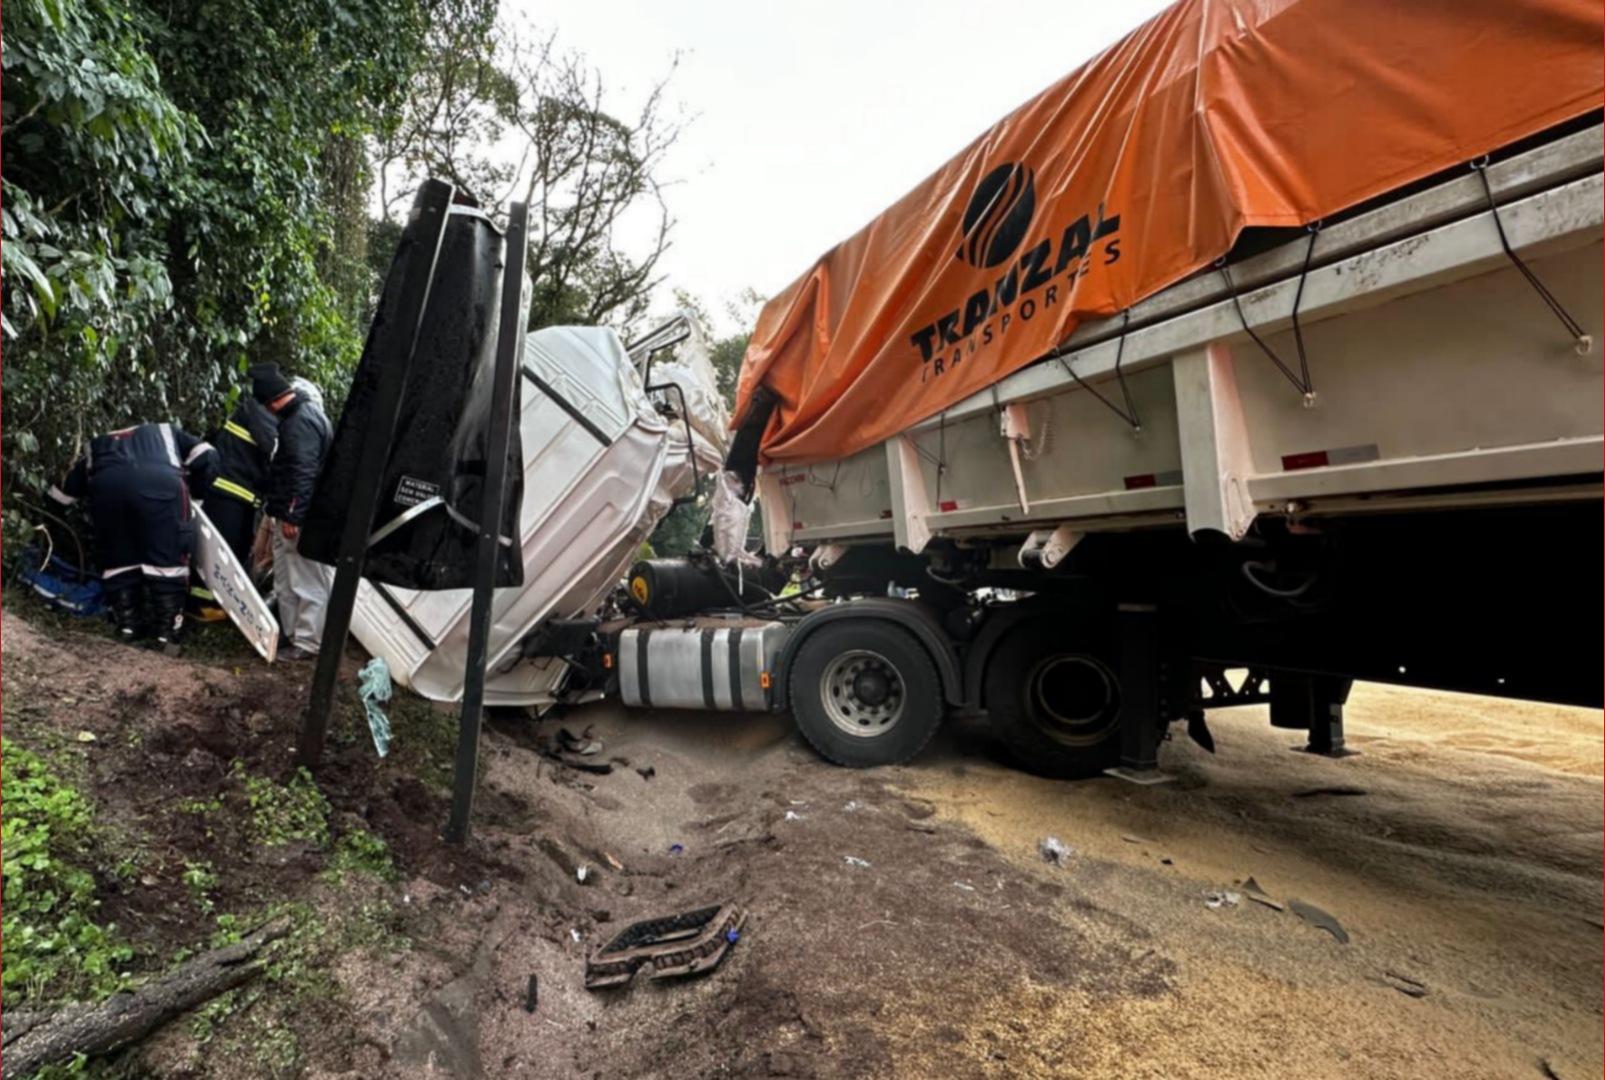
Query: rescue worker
x=138 y=481
x=244 y=445
x=301 y=585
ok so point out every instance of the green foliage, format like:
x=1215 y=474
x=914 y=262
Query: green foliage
x=200 y=877
x=726 y=355
x=425 y=743
x=184 y=193
x=360 y=851
x=54 y=947
x=281 y=813
x=681 y=528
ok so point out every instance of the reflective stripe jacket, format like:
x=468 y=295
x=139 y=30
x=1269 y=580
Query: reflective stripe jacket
x=147 y=445
x=245 y=452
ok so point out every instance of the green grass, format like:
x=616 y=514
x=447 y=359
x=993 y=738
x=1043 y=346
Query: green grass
x=281 y=813
x=54 y=945
x=200 y=878
x=423 y=738
x=360 y=851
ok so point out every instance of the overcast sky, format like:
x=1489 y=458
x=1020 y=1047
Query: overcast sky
x=806 y=120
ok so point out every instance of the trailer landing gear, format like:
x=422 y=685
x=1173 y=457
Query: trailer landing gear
x=1143 y=676
x=1315 y=704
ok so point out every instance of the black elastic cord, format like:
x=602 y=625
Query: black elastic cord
x=1298 y=299
x=1129 y=413
x=1585 y=343
x=1300 y=379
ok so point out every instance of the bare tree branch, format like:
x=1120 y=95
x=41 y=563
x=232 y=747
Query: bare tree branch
x=508 y=112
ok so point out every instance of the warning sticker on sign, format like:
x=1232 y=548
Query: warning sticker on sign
x=411 y=491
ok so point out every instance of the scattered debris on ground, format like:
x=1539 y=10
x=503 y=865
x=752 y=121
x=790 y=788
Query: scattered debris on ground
x=690 y=943
x=1404 y=984
x=1053 y=850
x=1252 y=890
x=1319 y=919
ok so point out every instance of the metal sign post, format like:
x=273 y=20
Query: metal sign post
x=509 y=349
x=394 y=339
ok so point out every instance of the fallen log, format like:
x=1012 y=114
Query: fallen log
x=34 y=1038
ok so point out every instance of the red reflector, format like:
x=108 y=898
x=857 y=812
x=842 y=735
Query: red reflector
x=947 y=506
x=886 y=515
x=796 y=524
x=1146 y=480
x=1315 y=459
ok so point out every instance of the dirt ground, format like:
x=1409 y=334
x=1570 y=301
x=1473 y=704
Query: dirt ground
x=1460 y=851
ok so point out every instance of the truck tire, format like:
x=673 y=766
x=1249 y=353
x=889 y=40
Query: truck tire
x=865 y=692
x=1054 y=701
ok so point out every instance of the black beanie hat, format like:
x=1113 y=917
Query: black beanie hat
x=267 y=382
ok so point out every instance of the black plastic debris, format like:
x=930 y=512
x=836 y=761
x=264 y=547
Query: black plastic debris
x=1319 y=919
x=578 y=744
x=1252 y=890
x=532 y=995
x=1404 y=984
x=690 y=943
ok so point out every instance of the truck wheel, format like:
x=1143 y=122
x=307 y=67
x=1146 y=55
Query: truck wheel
x=865 y=693
x=1054 y=703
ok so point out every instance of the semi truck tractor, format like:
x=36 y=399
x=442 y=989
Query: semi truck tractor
x=1260 y=355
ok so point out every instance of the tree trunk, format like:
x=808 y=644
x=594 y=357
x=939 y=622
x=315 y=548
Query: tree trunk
x=34 y=1038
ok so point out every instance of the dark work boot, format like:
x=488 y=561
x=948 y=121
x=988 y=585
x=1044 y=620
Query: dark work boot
x=124 y=605
x=166 y=619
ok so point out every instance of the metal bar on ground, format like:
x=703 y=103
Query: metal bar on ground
x=395 y=337
x=509 y=350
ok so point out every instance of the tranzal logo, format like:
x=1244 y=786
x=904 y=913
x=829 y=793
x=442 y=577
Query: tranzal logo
x=996 y=221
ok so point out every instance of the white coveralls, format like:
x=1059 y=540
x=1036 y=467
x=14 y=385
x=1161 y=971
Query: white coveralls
x=302 y=588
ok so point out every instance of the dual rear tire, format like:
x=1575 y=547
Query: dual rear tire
x=1053 y=699
x=866 y=692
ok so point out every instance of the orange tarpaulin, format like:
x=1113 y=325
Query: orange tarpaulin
x=1137 y=170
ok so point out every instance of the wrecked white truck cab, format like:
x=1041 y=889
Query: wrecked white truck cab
x=604 y=460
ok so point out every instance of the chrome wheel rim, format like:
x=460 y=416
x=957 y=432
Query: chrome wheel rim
x=863 y=693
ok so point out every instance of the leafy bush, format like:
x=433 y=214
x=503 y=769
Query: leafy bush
x=183 y=195
x=53 y=945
